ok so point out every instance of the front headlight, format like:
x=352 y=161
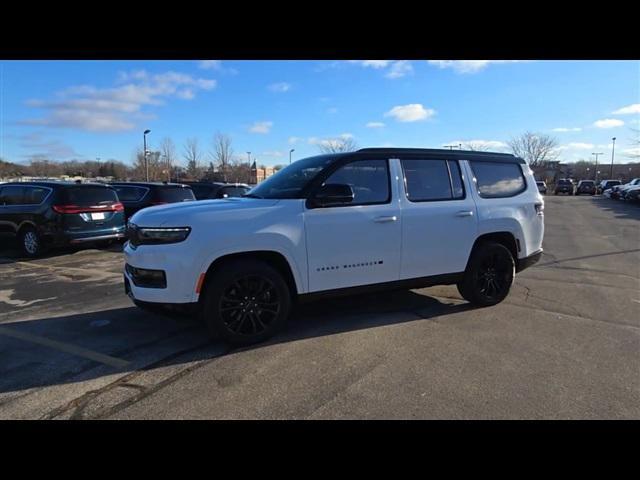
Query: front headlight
x=156 y=235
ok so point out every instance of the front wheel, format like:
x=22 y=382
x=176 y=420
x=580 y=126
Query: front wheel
x=489 y=275
x=246 y=302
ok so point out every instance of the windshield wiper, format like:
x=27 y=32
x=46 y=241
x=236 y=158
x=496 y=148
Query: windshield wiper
x=251 y=195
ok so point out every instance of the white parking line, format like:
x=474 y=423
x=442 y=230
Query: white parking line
x=65 y=347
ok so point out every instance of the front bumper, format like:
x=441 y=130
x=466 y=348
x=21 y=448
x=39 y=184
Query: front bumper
x=526 y=262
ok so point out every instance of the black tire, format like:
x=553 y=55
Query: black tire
x=245 y=302
x=30 y=242
x=489 y=275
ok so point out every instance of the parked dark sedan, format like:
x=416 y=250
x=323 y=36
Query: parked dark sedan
x=210 y=190
x=46 y=214
x=138 y=195
x=586 y=186
x=564 y=185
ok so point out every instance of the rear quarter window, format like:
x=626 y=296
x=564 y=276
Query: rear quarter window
x=130 y=194
x=498 y=180
x=174 y=194
x=35 y=195
x=11 y=195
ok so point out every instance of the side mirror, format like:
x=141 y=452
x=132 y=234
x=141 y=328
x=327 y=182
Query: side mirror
x=332 y=195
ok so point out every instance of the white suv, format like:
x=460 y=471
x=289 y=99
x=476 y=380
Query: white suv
x=330 y=224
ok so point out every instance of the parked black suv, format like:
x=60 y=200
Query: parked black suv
x=586 y=186
x=211 y=190
x=45 y=214
x=564 y=185
x=138 y=195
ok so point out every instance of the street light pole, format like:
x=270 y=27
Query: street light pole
x=290 y=152
x=613 y=149
x=146 y=160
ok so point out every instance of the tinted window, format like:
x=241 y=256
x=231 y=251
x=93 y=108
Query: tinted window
x=174 y=194
x=233 y=191
x=201 y=191
x=130 y=194
x=369 y=180
x=564 y=182
x=11 y=195
x=427 y=180
x=456 y=179
x=498 y=179
x=34 y=195
x=90 y=195
x=587 y=182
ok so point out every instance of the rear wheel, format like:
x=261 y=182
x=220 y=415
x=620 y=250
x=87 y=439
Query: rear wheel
x=31 y=242
x=246 y=302
x=489 y=275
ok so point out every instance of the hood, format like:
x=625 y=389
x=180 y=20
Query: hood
x=177 y=214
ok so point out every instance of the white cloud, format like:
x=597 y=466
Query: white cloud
x=377 y=64
x=608 y=123
x=628 y=110
x=346 y=136
x=261 y=127
x=400 y=69
x=412 y=112
x=467 y=66
x=374 y=125
x=294 y=140
x=577 y=146
x=86 y=107
x=279 y=87
x=635 y=151
x=565 y=129
x=210 y=64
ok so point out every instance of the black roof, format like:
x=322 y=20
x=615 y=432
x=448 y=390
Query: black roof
x=149 y=184
x=56 y=183
x=441 y=152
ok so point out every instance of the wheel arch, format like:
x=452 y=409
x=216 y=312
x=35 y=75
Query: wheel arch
x=271 y=257
x=506 y=238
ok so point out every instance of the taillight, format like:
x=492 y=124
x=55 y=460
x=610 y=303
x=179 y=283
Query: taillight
x=71 y=209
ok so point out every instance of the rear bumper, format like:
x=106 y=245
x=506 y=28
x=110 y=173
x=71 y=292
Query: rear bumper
x=97 y=238
x=526 y=262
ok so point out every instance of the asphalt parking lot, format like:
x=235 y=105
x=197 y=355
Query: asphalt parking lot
x=564 y=345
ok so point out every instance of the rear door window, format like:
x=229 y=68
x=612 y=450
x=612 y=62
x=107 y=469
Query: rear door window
x=175 y=194
x=430 y=180
x=11 y=195
x=130 y=193
x=498 y=180
x=91 y=196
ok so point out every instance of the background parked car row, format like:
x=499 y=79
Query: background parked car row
x=42 y=215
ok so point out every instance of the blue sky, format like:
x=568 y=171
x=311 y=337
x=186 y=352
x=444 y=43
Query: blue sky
x=90 y=109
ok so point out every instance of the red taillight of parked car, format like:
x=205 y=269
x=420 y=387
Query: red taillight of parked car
x=70 y=209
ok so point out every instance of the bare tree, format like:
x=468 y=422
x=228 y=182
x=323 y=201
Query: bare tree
x=192 y=155
x=222 y=152
x=338 y=145
x=535 y=148
x=634 y=152
x=168 y=154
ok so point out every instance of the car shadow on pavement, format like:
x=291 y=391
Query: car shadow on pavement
x=619 y=208
x=131 y=334
x=10 y=253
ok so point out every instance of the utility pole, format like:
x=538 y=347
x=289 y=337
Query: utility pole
x=613 y=149
x=594 y=170
x=290 y=152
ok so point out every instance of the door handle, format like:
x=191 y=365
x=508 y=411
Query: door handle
x=464 y=213
x=392 y=218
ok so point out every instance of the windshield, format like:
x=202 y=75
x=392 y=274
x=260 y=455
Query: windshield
x=289 y=182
